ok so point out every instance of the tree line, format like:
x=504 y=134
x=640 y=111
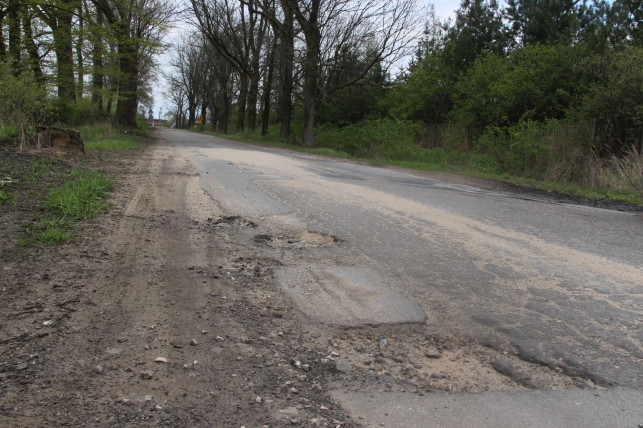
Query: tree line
x=531 y=83
x=72 y=51
x=538 y=87
x=249 y=58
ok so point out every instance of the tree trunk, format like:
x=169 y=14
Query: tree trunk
x=3 y=46
x=311 y=90
x=64 y=54
x=32 y=49
x=267 y=86
x=13 y=12
x=80 y=68
x=191 y=111
x=253 y=96
x=224 y=110
x=214 y=113
x=128 y=84
x=97 y=60
x=243 y=95
x=204 y=112
x=286 y=59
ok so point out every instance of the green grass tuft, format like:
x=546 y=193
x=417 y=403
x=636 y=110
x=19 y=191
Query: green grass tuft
x=121 y=142
x=82 y=198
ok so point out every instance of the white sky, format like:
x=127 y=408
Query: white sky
x=444 y=9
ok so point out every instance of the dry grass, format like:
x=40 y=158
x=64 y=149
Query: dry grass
x=617 y=173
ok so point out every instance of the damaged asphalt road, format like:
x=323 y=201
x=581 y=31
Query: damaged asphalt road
x=241 y=286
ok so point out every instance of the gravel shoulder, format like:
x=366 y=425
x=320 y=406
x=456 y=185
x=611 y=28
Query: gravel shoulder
x=166 y=312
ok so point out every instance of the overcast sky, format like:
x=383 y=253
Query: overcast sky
x=444 y=9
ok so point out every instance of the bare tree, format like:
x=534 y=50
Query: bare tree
x=238 y=32
x=373 y=32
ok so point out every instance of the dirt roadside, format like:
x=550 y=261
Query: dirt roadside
x=166 y=312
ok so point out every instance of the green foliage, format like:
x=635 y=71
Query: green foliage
x=40 y=167
x=51 y=231
x=424 y=94
x=97 y=131
x=103 y=136
x=535 y=83
x=614 y=98
x=122 y=142
x=76 y=113
x=553 y=150
x=7 y=196
x=377 y=139
x=82 y=198
x=543 y=21
x=23 y=103
x=478 y=29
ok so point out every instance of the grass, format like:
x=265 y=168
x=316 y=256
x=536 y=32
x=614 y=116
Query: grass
x=105 y=137
x=123 y=142
x=82 y=197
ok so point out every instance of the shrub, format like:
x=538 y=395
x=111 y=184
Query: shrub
x=23 y=103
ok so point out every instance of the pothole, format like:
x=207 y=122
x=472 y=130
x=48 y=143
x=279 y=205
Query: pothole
x=348 y=296
x=232 y=221
x=306 y=239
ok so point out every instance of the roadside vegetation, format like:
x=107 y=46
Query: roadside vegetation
x=547 y=94
x=46 y=198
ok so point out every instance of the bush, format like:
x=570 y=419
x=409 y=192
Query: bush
x=23 y=103
x=376 y=139
x=553 y=150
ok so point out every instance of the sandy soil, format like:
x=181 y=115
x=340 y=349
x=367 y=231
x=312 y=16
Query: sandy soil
x=166 y=312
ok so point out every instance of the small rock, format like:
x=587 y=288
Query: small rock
x=98 y=369
x=383 y=344
x=177 y=345
x=258 y=399
x=305 y=367
x=432 y=352
x=219 y=339
x=294 y=390
x=48 y=322
x=148 y=374
x=343 y=366
x=398 y=359
x=114 y=351
x=369 y=361
x=160 y=360
x=277 y=314
x=121 y=339
x=148 y=398
x=194 y=342
x=204 y=332
x=295 y=363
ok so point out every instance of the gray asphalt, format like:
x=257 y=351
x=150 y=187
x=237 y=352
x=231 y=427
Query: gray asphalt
x=557 y=284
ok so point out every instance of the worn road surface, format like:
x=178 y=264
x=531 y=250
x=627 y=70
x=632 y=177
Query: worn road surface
x=235 y=285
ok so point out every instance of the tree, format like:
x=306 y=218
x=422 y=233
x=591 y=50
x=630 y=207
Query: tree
x=478 y=29
x=137 y=27
x=238 y=32
x=542 y=21
x=379 y=31
x=58 y=15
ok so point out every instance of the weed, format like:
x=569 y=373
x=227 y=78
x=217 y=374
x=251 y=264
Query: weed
x=81 y=198
x=8 y=196
x=121 y=142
